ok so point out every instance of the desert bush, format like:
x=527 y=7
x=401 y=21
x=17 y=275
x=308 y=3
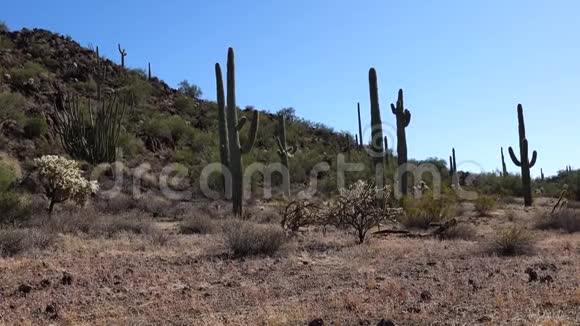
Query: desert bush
x=29 y=71
x=422 y=212
x=514 y=241
x=35 y=127
x=197 y=225
x=190 y=90
x=94 y=225
x=563 y=218
x=460 y=231
x=300 y=213
x=12 y=107
x=7 y=176
x=249 y=239
x=357 y=207
x=484 y=204
x=61 y=179
x=17 y=241
x=496 y=184
x=131 y=145
x=13 y=208
x=158 y=237
x=4 y=27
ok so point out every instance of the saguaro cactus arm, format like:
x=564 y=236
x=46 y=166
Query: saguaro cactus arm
x=513 y=157
x=253 y=132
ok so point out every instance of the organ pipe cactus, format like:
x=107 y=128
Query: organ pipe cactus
x=403 y=117
x=92 y=136
x=234 y=126
x=524 y=162
x=284 y=152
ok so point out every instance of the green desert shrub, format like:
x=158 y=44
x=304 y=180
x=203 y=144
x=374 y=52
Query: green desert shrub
x=12 y=107
x=30 y=70
x=8 y=175
x=248 y=239
x=484 y=204
x=13 y=207
x=420 y=213
x=35 y=127
x=496 y=184
x=130 y=145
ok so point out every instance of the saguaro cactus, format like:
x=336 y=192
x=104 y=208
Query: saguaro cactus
x=503 y=166
x=123 y=53
x=149 y=71
x=222 y=122
x=453 y=167
x=359 y=143
x=524 y=161
x=234 y=127
x=376 y=123
x=387 y=154
x=403 y=117
x=284 y=152
x=542 y=174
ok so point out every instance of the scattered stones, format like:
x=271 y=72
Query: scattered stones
x=425 y=295
x=67 y=278
x=533 y=276
x=24 y=288
x=316 y=322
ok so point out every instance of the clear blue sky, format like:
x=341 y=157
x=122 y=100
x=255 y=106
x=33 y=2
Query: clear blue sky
x=464 y=65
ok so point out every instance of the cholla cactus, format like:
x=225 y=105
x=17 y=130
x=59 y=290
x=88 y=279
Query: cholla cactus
x=62 y=180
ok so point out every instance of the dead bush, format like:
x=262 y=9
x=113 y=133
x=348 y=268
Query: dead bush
x=461 y=231
x=358 y=208
x=564 y=218
x=300 y=213
x=249 y=239
x=200 y=224
x=17 y=241
x=514 y=241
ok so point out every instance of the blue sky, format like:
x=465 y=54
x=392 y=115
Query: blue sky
x=464 y=65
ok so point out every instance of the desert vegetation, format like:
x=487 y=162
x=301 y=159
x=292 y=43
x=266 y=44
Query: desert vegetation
x=124 y=201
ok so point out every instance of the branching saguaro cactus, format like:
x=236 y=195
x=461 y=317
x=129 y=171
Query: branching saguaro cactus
x=376 y=122
x=123 y=53
x=503 y=165
x=524 y=161
x=90 y=136
x=234 y=126
x=284 y=152
x=359 y=142
x=403 y=117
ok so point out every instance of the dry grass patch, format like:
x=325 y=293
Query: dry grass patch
x=248 y=239
x=484 y=204
x=565 y=219
x=461 y=231
x=514 y=241
x=17 y=241
x=198 y=225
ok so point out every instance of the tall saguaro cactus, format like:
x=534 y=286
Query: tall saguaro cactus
x=123 y=53
x=222 y=121
x=234 y=126
x=453 y=167
x=524 y=161
x=376 y=123
x=403 y=117
x=284 y=152
x=387 y=154
x=503 y=165
x=359 y=143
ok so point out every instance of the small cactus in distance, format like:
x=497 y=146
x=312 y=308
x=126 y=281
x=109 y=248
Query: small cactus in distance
x=360 y=137
x=123 y=53
x=524 y=162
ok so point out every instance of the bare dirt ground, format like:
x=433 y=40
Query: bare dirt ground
x=193 y=280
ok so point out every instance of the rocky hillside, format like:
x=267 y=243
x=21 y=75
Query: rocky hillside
x=161 y=124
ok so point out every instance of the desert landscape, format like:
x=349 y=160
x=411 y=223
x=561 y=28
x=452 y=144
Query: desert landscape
x=129 y=200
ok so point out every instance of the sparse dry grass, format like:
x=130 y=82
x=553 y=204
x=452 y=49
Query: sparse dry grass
x=193 y=280
x=248 y=239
